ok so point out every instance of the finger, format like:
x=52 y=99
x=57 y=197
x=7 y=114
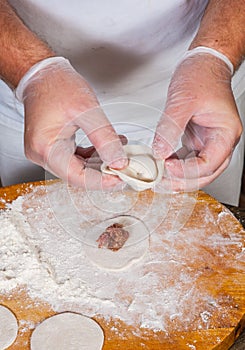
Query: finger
x=216 y=150
x=104 y=138
x=93 y=163
x=182 y=153
x=63 y=163
x=87 y=152
x=167 y=136
x=194 y=136
x=89 y=179
x=171 y=184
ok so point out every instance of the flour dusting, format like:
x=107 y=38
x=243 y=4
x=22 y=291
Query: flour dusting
x=42 y=247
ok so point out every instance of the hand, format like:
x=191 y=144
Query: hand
x=90 y=156
x=58 y=101
x=201 y=111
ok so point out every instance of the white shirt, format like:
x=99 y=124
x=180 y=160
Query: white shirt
x=127 y=50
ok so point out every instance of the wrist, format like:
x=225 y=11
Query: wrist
x=234 y=57
x=222 y=29
x=23 y=83
x=209 y=51
x=20 y=48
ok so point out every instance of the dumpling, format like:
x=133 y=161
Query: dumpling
x=143 y=170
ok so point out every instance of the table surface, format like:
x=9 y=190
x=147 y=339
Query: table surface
x=206 y=339
x=240 y=215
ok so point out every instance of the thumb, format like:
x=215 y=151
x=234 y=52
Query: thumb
x=168 y=134
x=104 y=138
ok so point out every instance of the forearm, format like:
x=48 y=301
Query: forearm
x=222 y=28
x=20 y=48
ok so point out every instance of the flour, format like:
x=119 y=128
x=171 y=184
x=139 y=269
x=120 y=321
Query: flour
x=42 y=248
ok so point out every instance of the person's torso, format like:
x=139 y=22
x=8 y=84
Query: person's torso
x=126 y=49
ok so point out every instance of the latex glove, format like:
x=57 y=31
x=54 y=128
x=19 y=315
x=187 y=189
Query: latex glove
x=90 y=156
x=201 y=111
x=58 y=101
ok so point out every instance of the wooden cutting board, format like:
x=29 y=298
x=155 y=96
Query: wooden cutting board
x=224 y=327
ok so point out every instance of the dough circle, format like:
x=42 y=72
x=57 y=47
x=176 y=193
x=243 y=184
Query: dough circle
x=131 y=252
x=67 y=330
x=8 y=327
x=143 y=170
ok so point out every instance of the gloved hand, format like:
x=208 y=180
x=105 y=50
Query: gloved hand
x=58 y=101
x=200 y=111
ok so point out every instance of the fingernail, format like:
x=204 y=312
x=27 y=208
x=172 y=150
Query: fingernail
x=158 y=150
x=119 y=163
x=157 y=145
x=161 y=150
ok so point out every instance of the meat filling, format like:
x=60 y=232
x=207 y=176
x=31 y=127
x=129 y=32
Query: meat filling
x=113 y=238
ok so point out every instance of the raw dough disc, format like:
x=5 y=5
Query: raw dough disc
x=8 y=327
x=143 y=170
x=67 y=330
x=132 y=251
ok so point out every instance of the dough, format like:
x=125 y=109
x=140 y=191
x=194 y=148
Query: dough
x=67 y=330
x=142 y=172
x=132 y=251
x=8 y=327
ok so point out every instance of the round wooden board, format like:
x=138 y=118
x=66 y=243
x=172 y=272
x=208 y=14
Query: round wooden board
x=220 y=335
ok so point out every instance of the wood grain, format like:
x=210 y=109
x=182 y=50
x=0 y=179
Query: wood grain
x=220 y=335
